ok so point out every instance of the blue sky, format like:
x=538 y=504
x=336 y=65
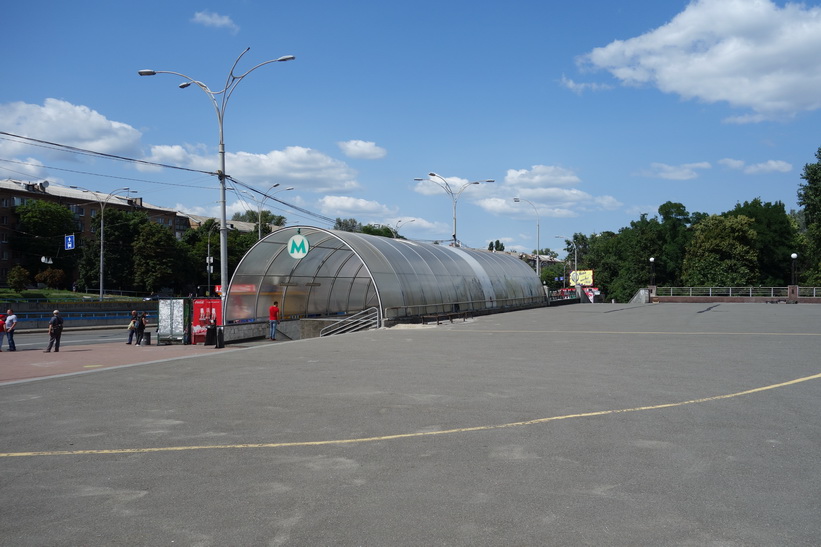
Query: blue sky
x=593 y=111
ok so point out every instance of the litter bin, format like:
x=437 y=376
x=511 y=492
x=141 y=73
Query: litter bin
x=220 y=342
x=146 y=339
x=210 y=335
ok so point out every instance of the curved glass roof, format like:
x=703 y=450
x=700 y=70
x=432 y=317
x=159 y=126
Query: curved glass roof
x=345 y=272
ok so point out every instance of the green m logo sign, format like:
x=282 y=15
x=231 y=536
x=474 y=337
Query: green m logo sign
x=298 y=247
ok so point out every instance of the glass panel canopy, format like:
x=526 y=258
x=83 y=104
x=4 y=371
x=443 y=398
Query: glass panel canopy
x=344 y=273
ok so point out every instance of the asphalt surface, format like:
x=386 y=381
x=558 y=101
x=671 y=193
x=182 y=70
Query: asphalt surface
x=597 y=424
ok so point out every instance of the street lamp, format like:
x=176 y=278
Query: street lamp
x=575 y=256
x=442 y=183
x=652 y=272
x=794 y=256
x=538 y=231
x=261 y=202
x=103 y=203
x=398 y=224
x=209 y=260
x=225 y=93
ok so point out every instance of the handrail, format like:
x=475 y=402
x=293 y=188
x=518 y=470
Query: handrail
x=393 y=312
x=364 y=320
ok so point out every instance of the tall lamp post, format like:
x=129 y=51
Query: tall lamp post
x=209 y=260
x=261 y=202
x=793 y=256
x=652 y=273
x=575 y=255
x=224 y=95
x=103 y=202
x=395 y=230
x=538 y=243
x=454 y=196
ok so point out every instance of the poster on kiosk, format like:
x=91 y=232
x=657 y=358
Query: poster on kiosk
x=207 y=311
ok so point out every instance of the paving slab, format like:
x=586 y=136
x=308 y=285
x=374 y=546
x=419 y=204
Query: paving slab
x=602 y=424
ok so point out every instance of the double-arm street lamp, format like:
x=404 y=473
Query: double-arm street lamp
x=219 y=107
x=260 y=202
x=454 y=195
x=103 y=202
x=395 y=229
x=538 y=243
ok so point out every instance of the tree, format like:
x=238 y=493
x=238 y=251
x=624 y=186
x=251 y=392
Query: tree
x=496 y=246
x=51 y=278
x=43 y=227
x=775 y=239
x=155 y=249
x=268 y=219
x=347 y=225
x=121 y=230
x=377 y=230
x=18 y=278
x=722 y=253
x=809 y=192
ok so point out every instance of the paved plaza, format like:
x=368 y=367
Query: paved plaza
x=595 y=424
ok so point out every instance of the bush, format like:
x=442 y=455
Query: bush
x=51 y=277
x=18 y=278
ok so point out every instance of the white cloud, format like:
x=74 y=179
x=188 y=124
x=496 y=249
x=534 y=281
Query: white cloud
x=770 y=166
x=751 y=54
x=540 y=175
x=363 y=150
x=305 y=168
x=685 y=171
x=579 y=88
x=64 y=123
x=211 y=19
x=345 y=206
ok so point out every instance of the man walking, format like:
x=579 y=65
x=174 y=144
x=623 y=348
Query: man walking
x=55 y=330
x=273 y=319
x=11 y=324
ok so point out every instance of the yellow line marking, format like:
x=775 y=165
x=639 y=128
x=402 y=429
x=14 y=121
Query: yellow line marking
x=91 y=366
x=406 y=435
x=665 y=333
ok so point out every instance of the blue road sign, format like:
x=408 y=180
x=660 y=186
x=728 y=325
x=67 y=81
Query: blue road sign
x=69 y=242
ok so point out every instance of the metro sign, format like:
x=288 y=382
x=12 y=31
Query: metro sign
x=298 y=246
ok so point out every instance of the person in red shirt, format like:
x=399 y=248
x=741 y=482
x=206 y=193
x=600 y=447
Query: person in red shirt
x=273 y=319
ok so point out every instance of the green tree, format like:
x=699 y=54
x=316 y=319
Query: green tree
x=43 y=227
x=809 y=197
x=155 y=251
x=268 y=219
x=51 y=278
x=377 y=230
x=348 y=225
x=18 y=278
x=121 y=229
x=722 y=253
x=775 y=239
x=674 y=234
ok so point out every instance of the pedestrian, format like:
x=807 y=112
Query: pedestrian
x=132 y=327
x=2 y=330
x=273 y=319
x=142 y=321
x=55 y=330
x=11 y=325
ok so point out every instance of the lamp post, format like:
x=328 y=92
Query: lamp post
x=575 y=255
x=209 y=260
x=224 y=95
x=652 y=273
x=538 y=231
x=398 y=224
x=454 y=196
x=261 y=202
x=103 y=203
x=793 y=256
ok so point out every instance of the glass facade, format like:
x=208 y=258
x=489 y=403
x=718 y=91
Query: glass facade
x=344 y=273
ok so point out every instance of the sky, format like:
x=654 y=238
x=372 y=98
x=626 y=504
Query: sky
x=592 y=112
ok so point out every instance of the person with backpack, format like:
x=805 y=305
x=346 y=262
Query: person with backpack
x=55 y=331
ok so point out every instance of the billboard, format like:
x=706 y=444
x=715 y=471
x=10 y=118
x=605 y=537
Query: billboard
x=581 y=277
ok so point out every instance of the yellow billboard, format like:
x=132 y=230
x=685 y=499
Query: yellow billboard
x=581 y=277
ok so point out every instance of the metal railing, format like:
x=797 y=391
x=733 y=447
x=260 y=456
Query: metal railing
x=749 y=292
x=364 y=320
x=475 y=306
